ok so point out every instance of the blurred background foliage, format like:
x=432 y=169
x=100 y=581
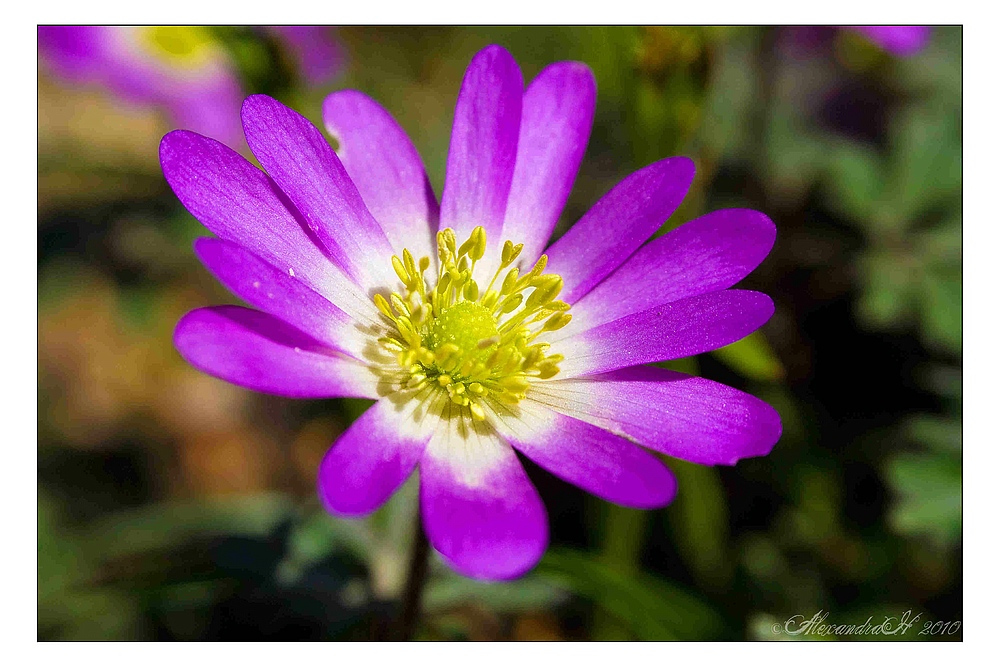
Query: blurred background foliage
x=175 y=506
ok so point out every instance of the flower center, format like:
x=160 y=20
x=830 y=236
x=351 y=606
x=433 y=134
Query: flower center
x=179 y=45
x=476 y=345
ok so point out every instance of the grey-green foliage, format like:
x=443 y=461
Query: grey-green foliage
x=906 y=200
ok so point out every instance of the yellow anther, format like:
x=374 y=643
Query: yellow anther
x=477 y=389
x=425 y=263
x=391 y=344
x=509 y=281
x=444 y=380
x=490 y=299
x=411 y=268
x=398 y=304
x=509 y=253
x=471 y=291
x=547 y=370
x=557 y=321
x=511 y=303
x=383 y=306
x=560 y=306
x=477 y=411
x=400 y=270
x=547 y=288
x=515 y=384
x=478 y=239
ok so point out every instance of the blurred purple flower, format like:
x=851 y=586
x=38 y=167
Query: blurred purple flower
x=179 y=68
x=315 y=50
x=333 y=251
x=900 y=40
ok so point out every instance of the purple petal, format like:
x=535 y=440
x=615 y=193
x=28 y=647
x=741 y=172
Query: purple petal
x=374 y=456
x=597 y=461
x=669 y=331
x=239 y=203
x=483 y=145
x=386 y=168
x=301 y=162
x=555 y=125
x=618 y=224
x=279 y=294
x=260 y=352
x=75 y=53
x=710 y=253
x=480 y=510
x=900 y=40
x=686 y=417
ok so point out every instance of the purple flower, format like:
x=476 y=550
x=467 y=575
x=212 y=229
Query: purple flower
x=474 y=348
x=180 y=68
x=317 y=55
x=899 y=40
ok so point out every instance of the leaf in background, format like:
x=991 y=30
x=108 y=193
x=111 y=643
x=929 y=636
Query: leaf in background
x=170 y=524
x=526 y=594
x=938 y=433
x=321 y=535
x=942 y=308
x=650 y=607
x=926 y=158
x=753 y=358
x=855 y=180
x=795 y=154
x=930 y=495
x=888 y=296
x=700 y=520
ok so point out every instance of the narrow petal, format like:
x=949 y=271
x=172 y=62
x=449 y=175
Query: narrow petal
x=260 y=352
x=480 y=510
x=375 y=455
x=386 y=169
x=555 y=125
x=686 y=417
x=277 y=293
x=483 y=145
x=618 y=224
x=669 y=331
x=710 y=253
x=238 y=202
x=301 y=162
x=597 y=461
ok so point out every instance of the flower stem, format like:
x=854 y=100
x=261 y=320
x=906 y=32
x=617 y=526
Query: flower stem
x=416 y=577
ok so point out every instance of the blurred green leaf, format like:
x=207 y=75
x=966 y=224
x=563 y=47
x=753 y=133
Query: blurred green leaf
x=319 y=535
x=856 y=181
x=926 y=160
x=169 y=524
x=938 y=433
x=942 y=308
x=650 y=607
x=930 y=495
x=888 y=295
x=700 y=519
x=526 y=594
x=753 y=358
